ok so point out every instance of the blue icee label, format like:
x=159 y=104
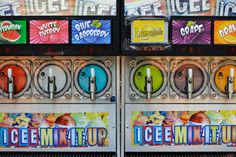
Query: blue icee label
x=226 y=8
x=91 y=32
x=10 y=8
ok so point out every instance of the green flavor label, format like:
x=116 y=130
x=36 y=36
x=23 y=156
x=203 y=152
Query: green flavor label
x=13 y=32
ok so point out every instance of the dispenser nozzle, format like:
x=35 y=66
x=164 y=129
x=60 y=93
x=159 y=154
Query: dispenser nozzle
x=51 y=84
x=9 y=73
x=10 y=82
x=190 y=83
x=148 y=80
x=92 y=84
x=50 y=72
x=230 y=83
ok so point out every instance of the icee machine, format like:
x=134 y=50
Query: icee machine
x=178 y=84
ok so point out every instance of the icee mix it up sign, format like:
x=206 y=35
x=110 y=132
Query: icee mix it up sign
x=91 y=32
x=153 y=128
x=43 y=130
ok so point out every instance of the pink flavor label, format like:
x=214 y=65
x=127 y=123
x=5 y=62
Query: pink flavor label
x=49 y=32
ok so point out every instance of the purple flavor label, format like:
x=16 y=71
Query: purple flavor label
x=191 y=32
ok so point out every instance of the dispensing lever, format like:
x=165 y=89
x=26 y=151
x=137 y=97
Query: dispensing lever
x=92 y=84
x=10 y=82
x=148 y=80
x=51 y=85
x=230 y=84
x=190 y=83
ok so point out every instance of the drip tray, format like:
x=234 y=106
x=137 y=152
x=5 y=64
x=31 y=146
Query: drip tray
x=196 y=154
x=34 y=154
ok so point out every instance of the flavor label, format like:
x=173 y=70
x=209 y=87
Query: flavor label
x=91 y=32
x=13 y=32
x=155 y=128
x=49 y=32
x=225 y=32
x=148 y=31
x=191 y=32
x=92 y=7
x=145 y=8
x=48 y=7
x=44 y=130
x=192 y=7
x=226 y=8
x=10 y=8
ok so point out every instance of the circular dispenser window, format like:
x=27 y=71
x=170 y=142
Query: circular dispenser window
x=220 y=75
x=21 y=75
x=139 y=74
x=62 y=78
x=102 y=75
x=179 y=77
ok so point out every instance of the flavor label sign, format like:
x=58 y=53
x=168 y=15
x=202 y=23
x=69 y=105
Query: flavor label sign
x=191 y=32
x=145 y=8
x=226 y=8
x=49 y=32
x=43 y=130
x=91 y=32
x=148 y=31
x=225 y=32
x=47 y=7
x=95 y=7
x=10 y=8
x=13 y=32
x=192 y=7
x=154 y=128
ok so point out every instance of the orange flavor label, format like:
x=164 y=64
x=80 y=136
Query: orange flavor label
x=225 y=32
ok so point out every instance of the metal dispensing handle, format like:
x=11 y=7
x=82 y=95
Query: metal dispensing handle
x=230 y=84
x=92 y=84
x=190 y=83
x=51 y=84
x=10 y=82
x=148 y=80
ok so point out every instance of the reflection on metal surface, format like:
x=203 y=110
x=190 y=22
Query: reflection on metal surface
x=15 y=79
x=52 y=79
x=179 y=79
x=92 y=79
x=223 y=79
x=148 y=79
x=190 y=83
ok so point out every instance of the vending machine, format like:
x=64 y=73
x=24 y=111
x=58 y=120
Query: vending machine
x=178 y=76
x=59 y=77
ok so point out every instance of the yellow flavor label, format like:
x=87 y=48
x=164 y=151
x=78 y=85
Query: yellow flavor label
x=225 y=32
x=148 y=31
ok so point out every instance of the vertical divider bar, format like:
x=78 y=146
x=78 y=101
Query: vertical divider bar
x=122 y=106
x=118 y=107
x=70 y=30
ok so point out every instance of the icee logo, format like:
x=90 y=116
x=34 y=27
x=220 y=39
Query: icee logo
x=91 y=31
x=227 y=8
x=191 y=7
x=11 y=8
